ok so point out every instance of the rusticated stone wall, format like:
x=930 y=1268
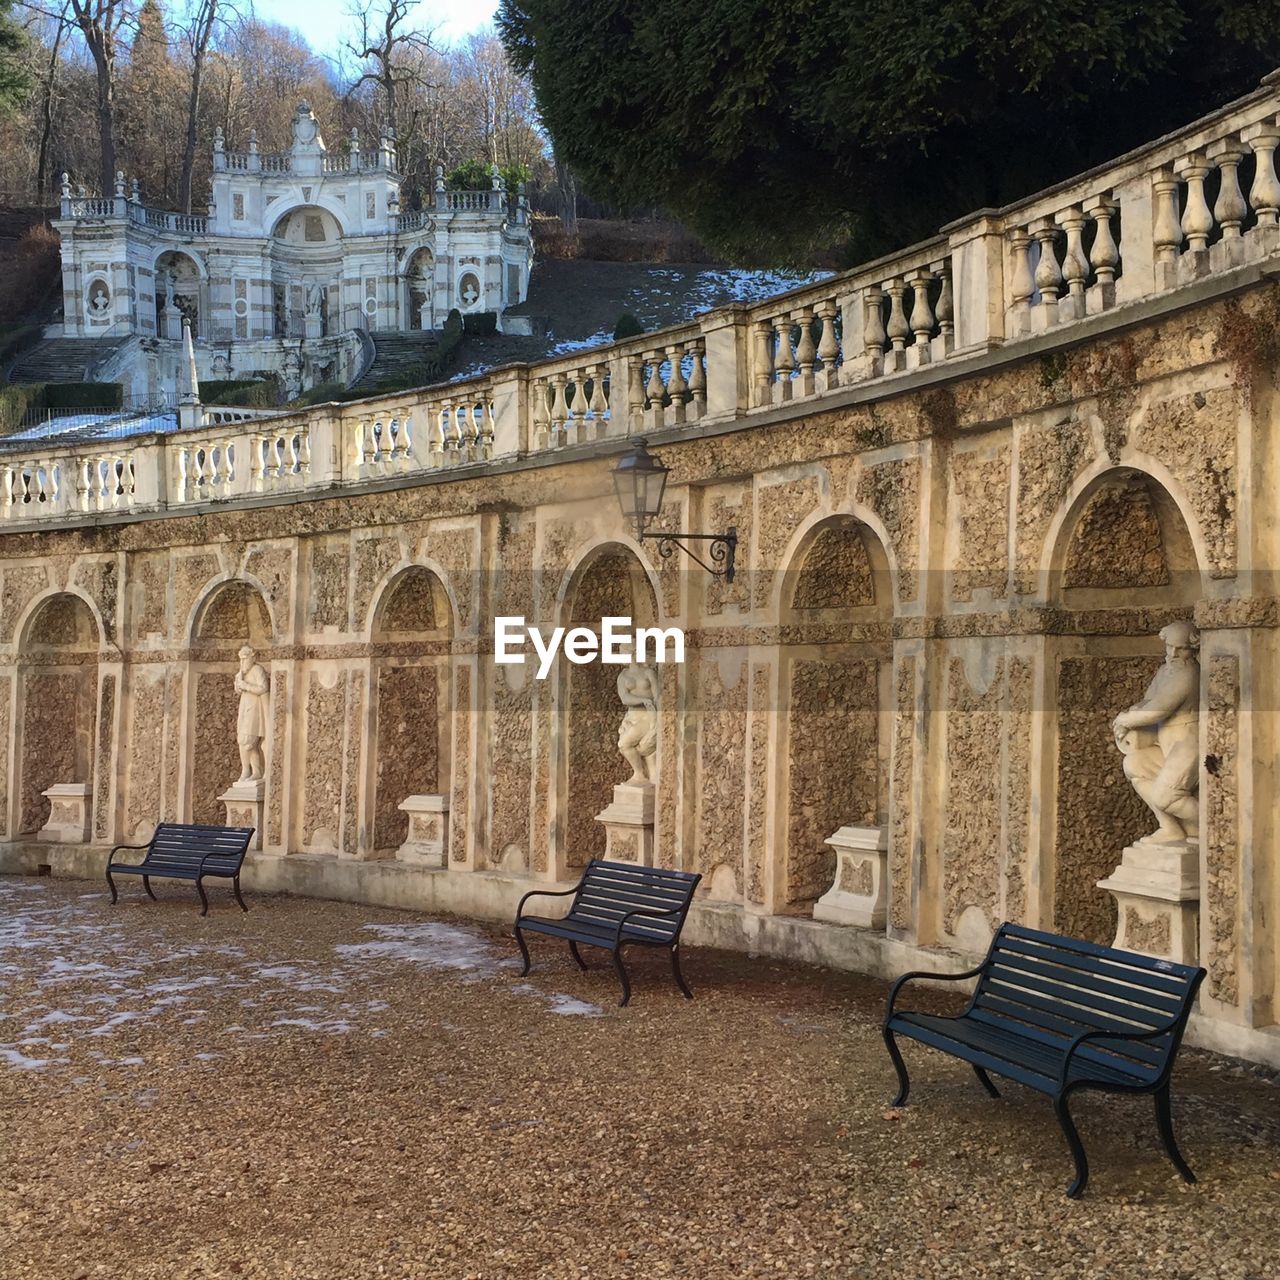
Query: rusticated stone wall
x=814 y=694
x=833 y=764
x=1098 y=811
x=215 y=755
x=408 y=741
x=1220 y=894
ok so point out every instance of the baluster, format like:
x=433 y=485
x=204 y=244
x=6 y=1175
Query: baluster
x=1264 y=194
x=764 y=361
x=1197 y=219
x=599 y=406
x=922 y=320
x=559 y=410
x=575 y=407
x=806 y=352
x=784 y=361
x=1048 y=275
x=697 y=383
x=1104 y=257
x=393 y=438
x=898 y=330
x=1075 y=265
x=655 y=390
x=128 y=481
x=84 y=487
x=946 y=308
x=1021 y=284
x=6 y=492
x=304 y=451
x=448 y=435
x=635 y=391
x=485 y=426
x=874 y=337
x=828 y=352
x=1167 y=235
x=435 y=441
x=540 y=419
x=1229 y=208
x=676 y=385
x=275 y=443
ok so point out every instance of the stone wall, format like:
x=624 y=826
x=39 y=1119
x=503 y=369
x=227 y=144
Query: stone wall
x=945 y=595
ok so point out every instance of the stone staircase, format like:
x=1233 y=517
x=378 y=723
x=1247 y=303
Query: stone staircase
x=63 y=359
x=397 y=356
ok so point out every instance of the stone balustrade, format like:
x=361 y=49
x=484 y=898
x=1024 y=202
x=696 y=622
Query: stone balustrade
x=1197 y=204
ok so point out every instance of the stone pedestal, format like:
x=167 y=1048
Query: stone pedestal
x=628 y=823
x=428 y=841
x=312 y=324
x=70 y=809
x=244 y=806
x=171 y=324
x=1157 y=891
x=859 y=894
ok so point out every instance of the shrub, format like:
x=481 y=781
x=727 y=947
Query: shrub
x=15 y=399
x=242 y=393
x=627 y=327
x=33 y=273
x=480 y=324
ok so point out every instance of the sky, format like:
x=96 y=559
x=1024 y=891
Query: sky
x=324 y=23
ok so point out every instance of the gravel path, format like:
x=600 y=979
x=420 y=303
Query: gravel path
x=331 y=1092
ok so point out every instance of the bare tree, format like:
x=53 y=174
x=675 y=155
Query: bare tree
x=100 y=22
x=49 y=81
x=383 y=49
x=202 y=19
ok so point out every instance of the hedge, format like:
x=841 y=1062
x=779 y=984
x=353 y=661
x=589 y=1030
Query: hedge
x=83 y=395
x=15 y=399
x=480 y=324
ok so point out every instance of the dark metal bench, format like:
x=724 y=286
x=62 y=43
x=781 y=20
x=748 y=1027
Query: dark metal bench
x=1057 y=1014
x=615 y=905
x=184 y=851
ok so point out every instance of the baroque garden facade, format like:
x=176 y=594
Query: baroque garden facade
x=971 y=483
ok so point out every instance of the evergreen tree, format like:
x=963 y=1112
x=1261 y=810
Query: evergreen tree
x=14 y=80
x=772 y=128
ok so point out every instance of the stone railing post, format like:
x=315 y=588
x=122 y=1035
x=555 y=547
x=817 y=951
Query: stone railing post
x=327 y=453
x=511 y=411
x=725 y=336
x=1138 y=238
x=977 y=281
x=151 y=475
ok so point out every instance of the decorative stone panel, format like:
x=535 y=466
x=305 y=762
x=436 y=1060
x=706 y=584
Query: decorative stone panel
x=1117 y=541
x=832 y=765
x=144 y=745
x=980 y=521
x=780 y=510
x=1049 y=459
x=327 y=605
x=276 y=763
x=350 y=758
x=835 y=573
x=215 y=755
x=322 y=768
x=103 y=771
x=21 y=585
x=100 y=581
x=721 y=719
x=407 y=747
x=892 y=490
x=1220 y=892
x=511 y=729
x=763 y=725
x=901 y=850
x=463 y=767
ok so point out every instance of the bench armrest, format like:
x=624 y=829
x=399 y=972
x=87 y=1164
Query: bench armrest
x=641 y=911
x=544 y=893
x=1086 y=1037
x=925 y=973
x=133 y=847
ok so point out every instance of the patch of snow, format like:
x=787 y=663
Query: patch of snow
x=577 y=1008
x=437 y=946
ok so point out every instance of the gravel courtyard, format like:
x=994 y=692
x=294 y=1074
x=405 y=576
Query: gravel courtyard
x=333 y=1092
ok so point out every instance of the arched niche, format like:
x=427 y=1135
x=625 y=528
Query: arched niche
x=306 y=259
x=412 y=679
x=837 y=656
x=1123 y=565
x=234 y=614
x=181 y=291
x=58 y=673
x=610 y=583
x=420 y=283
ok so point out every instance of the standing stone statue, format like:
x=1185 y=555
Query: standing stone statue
x=1160 y=738
x=251 y=724
x=315 y=300
x=638 y=733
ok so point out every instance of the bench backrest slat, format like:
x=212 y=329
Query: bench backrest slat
x=610 y=890
x=1053 y=989
x=187 y=846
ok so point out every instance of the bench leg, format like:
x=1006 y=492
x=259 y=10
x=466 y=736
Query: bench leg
x=986 y=1081
x=904 y=1081
x=1164 y=1120
x=1076 y=1189
x=146 y=884
x=111 y=884
x=235 y=888
x=679 y=977
x=204 y=898
x=573 y=951
x=524 y=951
x=622 y=973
